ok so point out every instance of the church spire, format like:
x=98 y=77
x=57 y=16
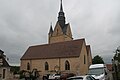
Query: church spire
x=61 y=8
x=61 y=17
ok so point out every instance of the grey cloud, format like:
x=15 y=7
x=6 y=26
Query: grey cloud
x=26 y=22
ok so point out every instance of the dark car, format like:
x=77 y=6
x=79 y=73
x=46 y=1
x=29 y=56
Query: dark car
x=64 y=76
x=46 y=76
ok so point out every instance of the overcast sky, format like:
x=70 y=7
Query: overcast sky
x=24 y=23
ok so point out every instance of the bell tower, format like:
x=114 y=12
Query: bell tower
x=62 y=31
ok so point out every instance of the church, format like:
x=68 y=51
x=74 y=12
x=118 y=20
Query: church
x=61 y=54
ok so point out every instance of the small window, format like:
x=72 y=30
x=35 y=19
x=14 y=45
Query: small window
x=67 y=65
x=57 y=31
x=4 y=72
x=46 y=66
x=28 y=66
x=84 y=59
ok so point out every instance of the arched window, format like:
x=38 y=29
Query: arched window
x=46 y=66
x=67 y=65
x=28 y=66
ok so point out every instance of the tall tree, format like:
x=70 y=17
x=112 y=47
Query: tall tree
x=97 y=60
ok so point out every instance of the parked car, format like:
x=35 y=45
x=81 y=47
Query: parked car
x=86 y=77
x=99 y=71
x=64 y=76
x=46 y=76
x=54 y=76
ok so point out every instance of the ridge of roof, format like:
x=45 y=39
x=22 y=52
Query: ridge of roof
x=58 y=42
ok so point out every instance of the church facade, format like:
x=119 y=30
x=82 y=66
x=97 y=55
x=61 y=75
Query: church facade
x=61 y=54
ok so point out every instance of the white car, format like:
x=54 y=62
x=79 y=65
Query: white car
x=99 y=71
x=54 y=76
x=86 y=77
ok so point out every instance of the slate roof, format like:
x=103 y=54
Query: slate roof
x=4 y=62
x=51 y=30
x=64 y=29
x=54 y=50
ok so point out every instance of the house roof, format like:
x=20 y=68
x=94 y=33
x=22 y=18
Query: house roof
x=55 y=50
x=1 y=51
x=4 y=62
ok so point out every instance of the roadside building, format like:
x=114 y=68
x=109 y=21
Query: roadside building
x=61 y=54
x=5 y=73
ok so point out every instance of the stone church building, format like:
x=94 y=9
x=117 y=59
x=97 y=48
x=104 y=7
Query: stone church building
x=61 y=54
